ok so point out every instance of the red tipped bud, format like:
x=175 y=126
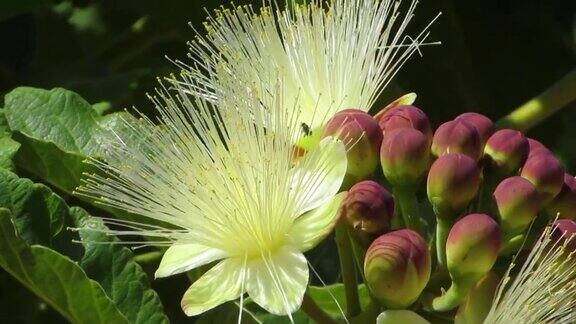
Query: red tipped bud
x=564 y=204
x=362 y=136
x=507 y=150
x=535 y=147
x=453 y=182
x=406 y=117
x=517 y=202
x=456 y=137
x=472 y=248
x=369 y=207
x=405 y=100
x=483 y=125
x=397 y=268
x=546 y=174
x=405 y=156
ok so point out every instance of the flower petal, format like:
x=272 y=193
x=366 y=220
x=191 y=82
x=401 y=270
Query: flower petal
x=319 y=175
x=277 y=282
x=184 y=257
x=220 y=284
x=312 y=227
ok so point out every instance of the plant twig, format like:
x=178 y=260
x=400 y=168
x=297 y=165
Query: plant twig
x=316 y=313
x=348 y=270
x=535 y=110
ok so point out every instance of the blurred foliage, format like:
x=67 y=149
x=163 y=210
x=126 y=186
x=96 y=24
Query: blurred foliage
x=495 y=55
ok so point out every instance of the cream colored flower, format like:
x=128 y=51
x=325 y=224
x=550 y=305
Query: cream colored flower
x=220 y=180
x=332 y=55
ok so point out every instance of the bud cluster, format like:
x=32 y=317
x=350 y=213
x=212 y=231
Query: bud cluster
x=485 y=186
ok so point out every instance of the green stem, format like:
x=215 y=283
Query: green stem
x=348 y=270
x=451 y=299
x=535 y=110
x=148 y=257
x=406 y=198
x=442 y=230
x=316 y=313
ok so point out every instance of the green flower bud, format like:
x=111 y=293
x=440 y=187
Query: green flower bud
x=564 y=204
x=453 y=182
x=471 y=251
x=546 y=174
x=368 y=207
x=397 y=268
x=517 y=203
x=457 y=137
x=362 y=136
x=405 y=156
x=483 y=125
x=478 y=302
x=406 y=117
x=400 y=316
x=506 y=150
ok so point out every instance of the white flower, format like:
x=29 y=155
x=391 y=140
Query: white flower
x=221 y=182
x=544 y=290
x=330 y=59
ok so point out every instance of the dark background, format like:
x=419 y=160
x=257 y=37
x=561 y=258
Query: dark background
x=496 y=54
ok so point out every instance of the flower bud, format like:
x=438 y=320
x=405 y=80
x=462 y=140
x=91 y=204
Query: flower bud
x=546 y=174
x=564 y=204
x=405 y=156
x=535 y=147
x=471 y=251
x=395 y=316
x=368 y=207
x=478 y=302
x=456 y=137
x=483 y=125
x=517 y=203
x=453 y=182
x=472 y=247
x=397 y=268
x=362 y=136
x=406 y=117
x=565 y=229
x=404 y=100
x=506 y=150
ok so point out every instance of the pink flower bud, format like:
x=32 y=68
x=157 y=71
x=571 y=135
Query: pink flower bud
x=564 y=204
x=483 y=125
x=397 y=268
x=535 y=147
x=565 y=229
x=362 y=136
x=506 y=150
x=546 y=174
x=517 y=202
x=453 y=182
x=405 y=117
x=457 y=137
x=405 y=156
x=369 y=207
x=472 y=248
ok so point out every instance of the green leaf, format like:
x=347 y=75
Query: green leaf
x=41 y=217
x=55 y=278
x=58 y=131
x=327 y=296
x=121 y=277
x=8 y=147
